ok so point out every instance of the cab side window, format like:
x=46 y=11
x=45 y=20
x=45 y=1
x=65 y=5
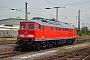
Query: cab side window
x=57 y=29
x=30 y=26
x=38 y=27
x=51 y=28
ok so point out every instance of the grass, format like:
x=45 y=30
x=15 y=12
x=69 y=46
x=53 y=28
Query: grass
x=61 y=49
x=83 y=36
x=7 y=37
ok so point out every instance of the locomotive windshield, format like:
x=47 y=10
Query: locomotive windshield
x=30 y=26
x=23 y=26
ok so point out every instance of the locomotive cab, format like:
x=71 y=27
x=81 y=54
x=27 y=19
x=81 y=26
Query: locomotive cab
x=26 y=34
x=29 y=32
x=26 y=30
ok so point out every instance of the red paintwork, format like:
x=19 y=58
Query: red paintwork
x=46 y=33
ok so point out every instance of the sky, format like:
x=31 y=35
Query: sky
x=36 y=8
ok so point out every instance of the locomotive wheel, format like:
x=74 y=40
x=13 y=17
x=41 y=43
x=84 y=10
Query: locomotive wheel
x=43 y=46
x=47 y=45
x=72 y=41
x=17 y=48
x=68 y=41
x=37 y=47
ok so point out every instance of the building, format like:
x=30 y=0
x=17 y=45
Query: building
x=13 y=22
x=10 y=26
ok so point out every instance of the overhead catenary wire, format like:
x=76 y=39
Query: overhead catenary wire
x=53 y=4
x=22 y=10
x=77 y=3
x=69 y=4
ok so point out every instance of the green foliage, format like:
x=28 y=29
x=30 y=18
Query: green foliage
x=76 y=30
x=7 y=36
x=83 y=32
x=61 y=49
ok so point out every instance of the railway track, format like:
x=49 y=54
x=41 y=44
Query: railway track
x=82 y=40
x=5 y=55
x=86 y=58
x=79 y=54
x=15 y=53
x=7 y=42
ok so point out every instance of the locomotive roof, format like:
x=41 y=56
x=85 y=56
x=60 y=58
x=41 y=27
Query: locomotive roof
x=48 y=22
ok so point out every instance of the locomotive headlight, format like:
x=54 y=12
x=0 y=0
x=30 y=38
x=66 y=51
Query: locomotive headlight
x=21 y=35
x=30 y=35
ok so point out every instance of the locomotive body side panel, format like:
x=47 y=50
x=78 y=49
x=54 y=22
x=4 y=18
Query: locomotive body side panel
x=46 y=33
x=38 y=31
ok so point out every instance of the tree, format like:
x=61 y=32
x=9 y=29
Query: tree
x=85 y=30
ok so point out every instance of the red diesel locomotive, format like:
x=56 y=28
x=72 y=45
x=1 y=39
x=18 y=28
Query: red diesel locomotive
x=39 y=33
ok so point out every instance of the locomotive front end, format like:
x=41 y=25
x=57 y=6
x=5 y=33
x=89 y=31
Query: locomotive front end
x=26 y=34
